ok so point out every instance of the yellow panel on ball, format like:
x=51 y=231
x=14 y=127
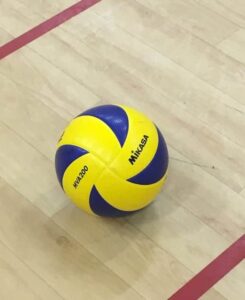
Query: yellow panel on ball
x=92 y=134
x=139 y=147
x=132 y=196
x=79 y=179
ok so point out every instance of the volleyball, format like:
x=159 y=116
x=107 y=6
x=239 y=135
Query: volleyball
x=111 y=160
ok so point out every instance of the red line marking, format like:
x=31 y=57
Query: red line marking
x=45 y=27
x=215 y=271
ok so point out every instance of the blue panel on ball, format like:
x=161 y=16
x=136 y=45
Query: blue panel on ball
x=114 y=116
x=65 y=155
x=157 y=167
x=102 y=208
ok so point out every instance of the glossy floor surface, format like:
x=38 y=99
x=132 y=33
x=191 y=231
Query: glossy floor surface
x=182 y=63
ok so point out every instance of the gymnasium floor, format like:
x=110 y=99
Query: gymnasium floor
x=180 y=61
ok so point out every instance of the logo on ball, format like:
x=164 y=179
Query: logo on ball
x=138 y=151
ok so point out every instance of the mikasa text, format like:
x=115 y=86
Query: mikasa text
x=139 y=150
x=80 y=176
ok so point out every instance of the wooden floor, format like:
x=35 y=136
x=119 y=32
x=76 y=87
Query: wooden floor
x=180 y=61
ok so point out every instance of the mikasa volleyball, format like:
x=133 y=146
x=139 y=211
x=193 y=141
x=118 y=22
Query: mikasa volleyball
x=111 y=160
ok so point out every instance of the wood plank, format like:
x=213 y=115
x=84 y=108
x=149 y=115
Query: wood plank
x=13 y=22
x=4 y=36
x=106 y=7
x=209 y=200
x=49 y=251
x=19 y=282
x=26 y=73
x=233 y=11
x=29 y=172
x=230 y=281
x=195 y=18
x=16 y=18
x=45 y=9
x=235 y=45
x=209 y=295
x=33 y=118
x=197 y=56
x=90 y=18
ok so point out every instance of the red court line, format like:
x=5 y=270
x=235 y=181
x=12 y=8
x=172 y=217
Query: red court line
x=210 y=275
x=45 y=27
